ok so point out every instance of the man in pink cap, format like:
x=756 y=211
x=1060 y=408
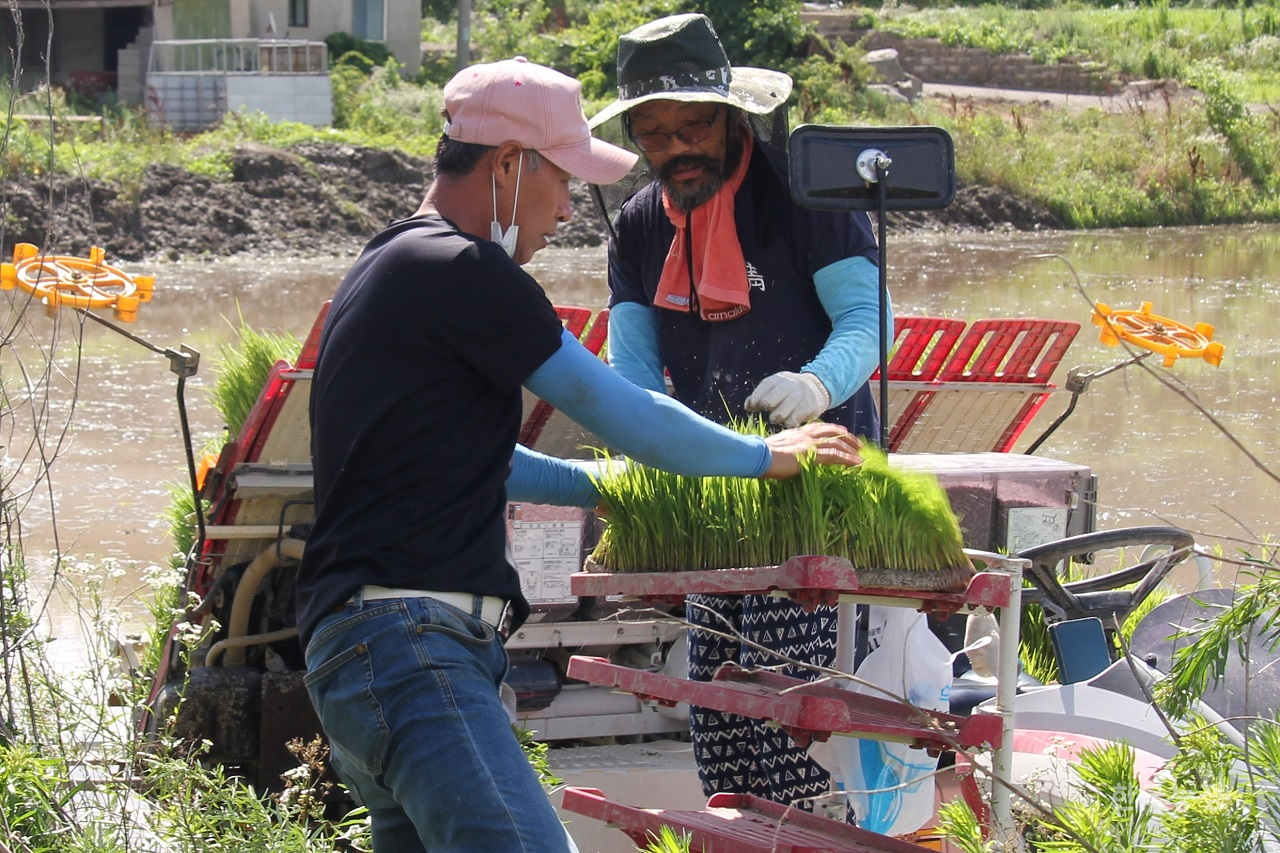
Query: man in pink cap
x=407 y=588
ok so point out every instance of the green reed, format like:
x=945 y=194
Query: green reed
x=873 y=515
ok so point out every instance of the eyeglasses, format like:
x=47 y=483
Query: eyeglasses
x=690 y=134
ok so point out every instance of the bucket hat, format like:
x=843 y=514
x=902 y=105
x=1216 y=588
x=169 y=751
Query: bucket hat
x=538 y=107
x=680 y=58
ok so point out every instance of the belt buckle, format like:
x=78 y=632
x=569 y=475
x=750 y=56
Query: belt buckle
x=504 y=620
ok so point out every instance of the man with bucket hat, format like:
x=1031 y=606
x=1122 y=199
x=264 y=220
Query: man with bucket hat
x=750 y=304
x=407 y=587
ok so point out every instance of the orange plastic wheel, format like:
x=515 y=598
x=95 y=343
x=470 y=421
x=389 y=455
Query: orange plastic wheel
x=85 y=283
x=1158 y=334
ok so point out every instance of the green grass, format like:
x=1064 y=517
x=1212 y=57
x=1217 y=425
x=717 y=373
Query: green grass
x=377 y=110
x=1177 y=162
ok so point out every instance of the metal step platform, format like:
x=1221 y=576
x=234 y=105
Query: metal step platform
x=805 y=710
x=737 y=823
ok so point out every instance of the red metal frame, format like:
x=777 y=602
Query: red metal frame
x=808 y=580
x=1000 y=351
x=807 y=711
x=927 y=352
x=1010 y=350
x=921 y=347
x=736 y=823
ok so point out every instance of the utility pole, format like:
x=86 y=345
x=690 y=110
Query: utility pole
x=464 y=34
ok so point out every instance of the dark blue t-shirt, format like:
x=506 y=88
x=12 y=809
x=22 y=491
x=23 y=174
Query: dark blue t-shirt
x=714 y=366
x=415 y=411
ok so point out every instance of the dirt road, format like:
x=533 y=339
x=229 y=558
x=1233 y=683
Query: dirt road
x=1134 y=95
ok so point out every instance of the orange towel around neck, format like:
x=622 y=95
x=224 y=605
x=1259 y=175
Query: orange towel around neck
x=719 y=268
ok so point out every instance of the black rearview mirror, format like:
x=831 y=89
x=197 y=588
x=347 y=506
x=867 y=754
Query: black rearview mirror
x=835 y=167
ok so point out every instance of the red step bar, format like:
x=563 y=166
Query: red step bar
x=737 y=823
x=803 y=709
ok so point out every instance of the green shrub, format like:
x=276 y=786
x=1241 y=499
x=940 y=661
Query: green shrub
x=501 y=29
x=763 y=33
x=345 y=48
x=383 y=108
x=1254 y=149
x=594 y=44
x=1153 y=41
x=1157 y=164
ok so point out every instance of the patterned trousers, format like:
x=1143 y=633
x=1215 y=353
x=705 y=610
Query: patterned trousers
x=741 y=755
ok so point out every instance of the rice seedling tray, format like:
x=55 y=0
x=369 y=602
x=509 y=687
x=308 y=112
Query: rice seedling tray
x=805 y=710
x=736 y=823
x=809 y=580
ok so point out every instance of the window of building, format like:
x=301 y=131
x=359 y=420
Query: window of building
x=298 y=13
x=368 y=19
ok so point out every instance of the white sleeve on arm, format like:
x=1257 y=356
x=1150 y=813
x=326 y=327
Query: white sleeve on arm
x=633 y=345
x=649 y=427
x=849 y=291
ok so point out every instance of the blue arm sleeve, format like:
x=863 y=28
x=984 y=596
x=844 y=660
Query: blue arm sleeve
x=651 y=428
x=633 y=345
x=538 y=478
x=849 y=291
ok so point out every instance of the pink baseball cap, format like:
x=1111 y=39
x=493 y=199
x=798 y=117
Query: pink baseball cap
x=518 y=100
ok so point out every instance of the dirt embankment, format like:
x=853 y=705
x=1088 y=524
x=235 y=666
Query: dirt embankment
x=315 y=199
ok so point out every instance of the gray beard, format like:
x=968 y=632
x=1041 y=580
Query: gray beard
x=690 y=198
x=687 y=199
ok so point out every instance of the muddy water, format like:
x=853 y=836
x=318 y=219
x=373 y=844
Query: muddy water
x=1156 y=457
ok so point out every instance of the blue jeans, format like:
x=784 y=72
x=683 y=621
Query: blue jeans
x=407 y=692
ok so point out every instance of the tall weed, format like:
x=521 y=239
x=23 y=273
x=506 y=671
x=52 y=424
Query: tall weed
x=1253 y=146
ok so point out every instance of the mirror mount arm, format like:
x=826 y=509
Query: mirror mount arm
x=880 y=163
x=873 y=165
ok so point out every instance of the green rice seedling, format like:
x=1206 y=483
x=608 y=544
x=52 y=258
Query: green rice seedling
x=243 y=369
x=667 y=840
x=897 y=528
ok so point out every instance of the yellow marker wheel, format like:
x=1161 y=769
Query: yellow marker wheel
x=85 y=283
x=1158 y=334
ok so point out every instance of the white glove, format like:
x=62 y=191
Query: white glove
x=791 y=399
x=982 y=642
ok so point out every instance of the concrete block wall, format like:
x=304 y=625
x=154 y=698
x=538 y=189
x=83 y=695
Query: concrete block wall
x=294 y=97
x=186 y=101
x=935 y=62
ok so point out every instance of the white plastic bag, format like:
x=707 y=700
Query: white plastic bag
x=908 y=660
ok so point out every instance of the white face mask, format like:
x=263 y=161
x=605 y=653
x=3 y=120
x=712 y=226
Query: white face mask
x=506 y=240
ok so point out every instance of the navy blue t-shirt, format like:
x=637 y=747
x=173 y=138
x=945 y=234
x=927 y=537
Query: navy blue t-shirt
x=415 y=412
x=714 y=366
